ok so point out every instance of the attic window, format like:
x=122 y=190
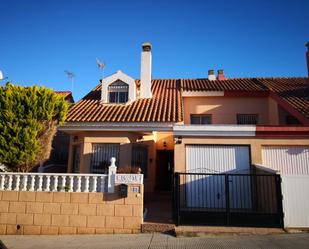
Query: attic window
x=118 y=92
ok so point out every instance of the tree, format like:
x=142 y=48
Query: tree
x=29 y=117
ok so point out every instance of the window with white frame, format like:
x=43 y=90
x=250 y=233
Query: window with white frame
x=118 y=92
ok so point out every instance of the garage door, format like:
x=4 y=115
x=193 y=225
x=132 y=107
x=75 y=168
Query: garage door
x=289 y=160
x=216 y=159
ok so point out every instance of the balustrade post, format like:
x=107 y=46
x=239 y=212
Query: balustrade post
x=71 y=185
x=63 y=183
x=32 y=183
x=86 y=184
x=102 y=185
x=112 y=169
x=79 y=184
x=10 y=182
x=55 y=183
x=47 y=188
x=24 y=182
x=17 y=177
x=94 y=186
x=2 y=180
x=40 y=183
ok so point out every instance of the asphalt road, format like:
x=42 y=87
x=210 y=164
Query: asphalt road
x=156 y=241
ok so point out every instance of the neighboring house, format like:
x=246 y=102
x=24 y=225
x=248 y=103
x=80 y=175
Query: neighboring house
x=58 y=160
x=209 y=125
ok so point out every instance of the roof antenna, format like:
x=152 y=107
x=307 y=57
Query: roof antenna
x=71 y=76
x=101 y=66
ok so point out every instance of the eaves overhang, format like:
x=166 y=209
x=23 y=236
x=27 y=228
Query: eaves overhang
x=116 y=126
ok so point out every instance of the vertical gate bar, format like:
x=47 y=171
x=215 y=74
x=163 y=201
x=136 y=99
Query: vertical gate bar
x=279 y=198
x=227 y=200
x=177 y=192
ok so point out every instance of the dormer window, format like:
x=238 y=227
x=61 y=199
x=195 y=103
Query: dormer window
x=118 y=92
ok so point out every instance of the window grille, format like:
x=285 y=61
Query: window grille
x=247 y=119
x=101 y=155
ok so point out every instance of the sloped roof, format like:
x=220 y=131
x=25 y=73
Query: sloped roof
x=166 y=103
x=164 y=106
x=295 y=91
x=241 y=84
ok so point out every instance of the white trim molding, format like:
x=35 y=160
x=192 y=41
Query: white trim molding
x=215 y=130
x=202 y=93
x=119 y=75
x=103 y=126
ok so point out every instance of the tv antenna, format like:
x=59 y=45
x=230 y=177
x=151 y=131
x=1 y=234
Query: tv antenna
x=71 y=76
x=101 y=66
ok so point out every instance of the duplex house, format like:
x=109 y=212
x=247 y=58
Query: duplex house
x=212 y=125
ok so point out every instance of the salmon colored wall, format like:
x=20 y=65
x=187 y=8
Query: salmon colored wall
x=255 y=145
x=154 y=142
x=224 y=109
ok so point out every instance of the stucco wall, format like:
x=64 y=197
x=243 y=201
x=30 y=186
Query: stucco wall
x=225 y=109
x=53 y=213
x=154 y=142
x=254 y=143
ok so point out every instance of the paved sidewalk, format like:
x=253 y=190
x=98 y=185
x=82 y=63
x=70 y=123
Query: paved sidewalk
x=156 y=241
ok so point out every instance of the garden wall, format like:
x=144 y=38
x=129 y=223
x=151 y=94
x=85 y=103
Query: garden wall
x=53 y=213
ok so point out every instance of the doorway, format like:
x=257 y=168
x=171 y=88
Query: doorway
x=164 y=170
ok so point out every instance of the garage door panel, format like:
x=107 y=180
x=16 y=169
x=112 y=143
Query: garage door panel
x=208 y=191
x=289 y=160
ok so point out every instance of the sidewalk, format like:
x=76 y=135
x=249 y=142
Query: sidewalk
x=155 y=241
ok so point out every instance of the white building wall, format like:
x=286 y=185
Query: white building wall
x=295 y=190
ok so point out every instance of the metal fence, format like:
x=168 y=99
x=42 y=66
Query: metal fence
x=228 y=199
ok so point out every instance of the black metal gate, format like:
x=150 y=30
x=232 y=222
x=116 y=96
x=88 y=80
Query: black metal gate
x=228 y=199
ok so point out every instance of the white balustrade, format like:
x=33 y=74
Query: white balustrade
x=67 y=182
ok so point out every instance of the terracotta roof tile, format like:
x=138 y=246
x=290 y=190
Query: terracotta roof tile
x=166 y=103
x=164 y=106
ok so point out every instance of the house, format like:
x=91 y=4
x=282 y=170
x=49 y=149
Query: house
x=229 y=139
x=211 y=125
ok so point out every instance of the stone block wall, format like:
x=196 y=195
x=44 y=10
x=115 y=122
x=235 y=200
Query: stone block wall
x=53 y=213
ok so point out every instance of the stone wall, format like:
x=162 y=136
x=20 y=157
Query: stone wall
x=53 y=213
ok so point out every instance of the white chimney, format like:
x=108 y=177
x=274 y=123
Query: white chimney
x=211 y=74
x=145 y=91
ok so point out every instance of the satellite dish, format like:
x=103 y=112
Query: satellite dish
x=1 y=76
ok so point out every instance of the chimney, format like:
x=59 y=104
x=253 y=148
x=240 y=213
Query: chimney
x=211 y=74
x=307 y=55
x=221 y=75
x=145 y=88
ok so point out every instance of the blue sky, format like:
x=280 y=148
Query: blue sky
x=39 y=39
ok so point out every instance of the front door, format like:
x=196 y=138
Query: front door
x=165 y=169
